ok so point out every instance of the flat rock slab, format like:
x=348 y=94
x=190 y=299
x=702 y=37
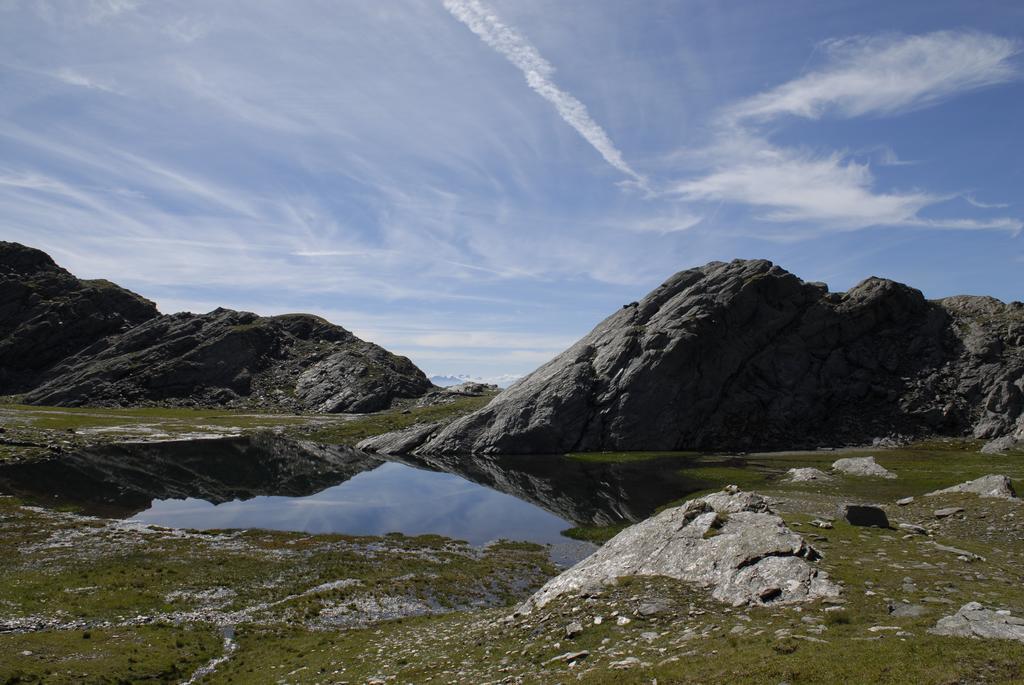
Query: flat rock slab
x=864 y=515
x=974 y=620
x=947 y=512
x=992 y=485
x=807 y=475
x=862 y=466
x=730 y=542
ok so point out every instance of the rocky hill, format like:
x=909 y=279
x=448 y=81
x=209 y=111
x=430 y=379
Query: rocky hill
x=745 y=355
x=93 y=343
x=46 y=314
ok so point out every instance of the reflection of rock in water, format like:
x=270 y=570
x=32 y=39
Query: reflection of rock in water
x=122 y=480
x=584 y=492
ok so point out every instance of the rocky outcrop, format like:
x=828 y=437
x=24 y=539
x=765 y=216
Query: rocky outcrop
x=92 y=343
x=743 y=354
x=46 y=314
x=997 y=486
x=729 y=542
x=295 y=362
x=865 y=467
x=974 y=620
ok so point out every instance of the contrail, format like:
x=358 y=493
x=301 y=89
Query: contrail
x=538 y=71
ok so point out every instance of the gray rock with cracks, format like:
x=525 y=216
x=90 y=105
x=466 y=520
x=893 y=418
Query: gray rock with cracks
x=730 y=542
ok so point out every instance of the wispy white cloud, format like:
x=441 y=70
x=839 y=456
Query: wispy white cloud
x=975 y=202
x=75 y=78
x=101 y=10
x=886 y=156
x=791 y=185
x=482 y=21
x=888 y=74
x=663 y=225
x=862 y=76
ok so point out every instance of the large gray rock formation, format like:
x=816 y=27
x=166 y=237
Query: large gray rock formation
x=729 y=542
x=744 y=354
x=70 y=342
x=46 y=314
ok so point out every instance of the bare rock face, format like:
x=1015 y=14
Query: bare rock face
x=862 y=466
x=225 y=357
x=46 y=314
x=745 y=355
x=996 y=486
x=64 y=341
x=974 y=620
x=729 y=542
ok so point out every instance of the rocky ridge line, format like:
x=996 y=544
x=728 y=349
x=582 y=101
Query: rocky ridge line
x=744 y=355
x=69 y=342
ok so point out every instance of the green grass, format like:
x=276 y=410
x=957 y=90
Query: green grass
x=105 y=655
x=79 y=569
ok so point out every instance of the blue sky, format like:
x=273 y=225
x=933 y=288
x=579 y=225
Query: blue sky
x=476 y=184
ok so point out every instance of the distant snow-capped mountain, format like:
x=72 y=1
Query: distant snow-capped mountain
x=502 y=381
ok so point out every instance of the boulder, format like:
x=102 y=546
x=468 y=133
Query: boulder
x=862 y=466
x=864 y=515
x=974 y=620
x=730 y=542
x=1007 y=443
x=996 y=486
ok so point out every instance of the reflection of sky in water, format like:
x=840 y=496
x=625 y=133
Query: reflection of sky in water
x=391 y=498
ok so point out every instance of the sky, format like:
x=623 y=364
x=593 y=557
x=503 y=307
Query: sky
x=476 y=183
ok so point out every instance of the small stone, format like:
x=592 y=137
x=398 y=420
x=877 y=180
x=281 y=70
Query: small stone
x=628 y=662
x=905 y=501
x=910 y=527
x=573 y=629
x=654 y=607
x=621 y=621
x=946 y=512
x=820 y=523
x=568 y=657
x=649 y=636
x=598 y=620
x=903 y=610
